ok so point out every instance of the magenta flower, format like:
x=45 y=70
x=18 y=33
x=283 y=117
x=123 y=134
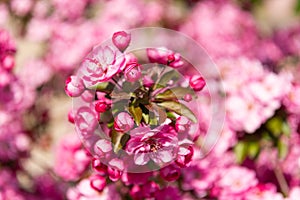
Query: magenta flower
x=102 y=65
x=97 y=182
x=182 y=124
x=121 y=40
x=164 y=56
x=158 y=145
x=123 y=122
x=197 y=82
x=74 y=86
x=170 y=173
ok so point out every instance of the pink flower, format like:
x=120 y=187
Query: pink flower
x=99 y=167
x=170 y=173
x=123 y=122
x=132 y=72
x=236 y=180
x=159 y=145
x=74 y=86
x=168 y=193
x=21 y=7
x=197 y=82
x=185 y=156
x=71 y=160
x=164 y=56
x=101 y=65
x=136 y=178
x=102 y=104
x=121 y=40
x=103 y=147
x=86 y=120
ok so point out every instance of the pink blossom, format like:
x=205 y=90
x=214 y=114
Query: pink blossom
x=71 y=160
x=102 y=104
x=164 y=56
x=147 y=190
x=136 y=178
x=224 y=29
x=99 y=167
x=168 y=193
x=236 y=180
x=103 y=147
x=123 y=122
x=170 y=173
x=97 y=182
x=159 y=145
x=74 y=86
x=21 y=7
x=86 y=120
x=115 y=169
x=121 y=40
x=70 y=9
x=197 y=83
x=102 y=65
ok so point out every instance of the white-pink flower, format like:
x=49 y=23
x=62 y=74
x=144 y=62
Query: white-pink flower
x=101 y=65
x=159 y=145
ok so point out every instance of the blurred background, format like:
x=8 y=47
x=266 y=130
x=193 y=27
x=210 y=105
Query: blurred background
x=255 y=44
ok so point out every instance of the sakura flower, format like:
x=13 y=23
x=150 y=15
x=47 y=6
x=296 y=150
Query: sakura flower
x=115 y=169
x=182 y=124
x=121 y=40
x=159 y=145
x=164 y=56
x=168 y=193
x=170 y=173
x=102 y=65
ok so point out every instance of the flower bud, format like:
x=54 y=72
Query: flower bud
x=132 y=72
x=188 y=97
x=99 y=167
x=71 y=116
x=97 y=182
x=121 y=40
x=115 y=169
x=8 y=62
x=185 y=156
x=170 y=173
x=123 y=122
x=197 y=82
x=147 y=81
x=74 y=86
x=182 y=124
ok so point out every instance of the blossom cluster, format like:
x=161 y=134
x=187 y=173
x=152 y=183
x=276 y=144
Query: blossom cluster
x=140 y=120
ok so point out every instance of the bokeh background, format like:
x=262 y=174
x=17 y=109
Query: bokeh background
x=255 y=45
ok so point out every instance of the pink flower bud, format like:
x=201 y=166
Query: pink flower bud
x=187 y=97
x=182 y=124
x=115 y=169
x=123 y=122
x=99 y=167
x=103 y=147
x=74 y=86
x=185 y=156
x=86 y=120
x=8 y=62
x=71 y=116
x=97 y=182
x=121 y=40
x=147 y=81
x=132 y=72
x=170 y=173
x=197 y=82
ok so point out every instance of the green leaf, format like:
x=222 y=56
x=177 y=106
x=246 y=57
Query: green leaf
x=106 y=87
x=174 y=93
x=240 y=151
x=171 y=75
x=146 y=118
x=119 y=140
x=253 y=149
x=297 y=7
x=136 y=113
x=274 y=125
x=282 y=149
x=179 y=108
x=286 y=128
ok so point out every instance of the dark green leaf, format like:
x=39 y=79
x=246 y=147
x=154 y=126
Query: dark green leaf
x=119 y=140
x=174 y=93
x=178 y=108
x=146 y=118
x=171 y=75
x=106 y=87
x=274 y=125
x=136 y=113
x=297 y=7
